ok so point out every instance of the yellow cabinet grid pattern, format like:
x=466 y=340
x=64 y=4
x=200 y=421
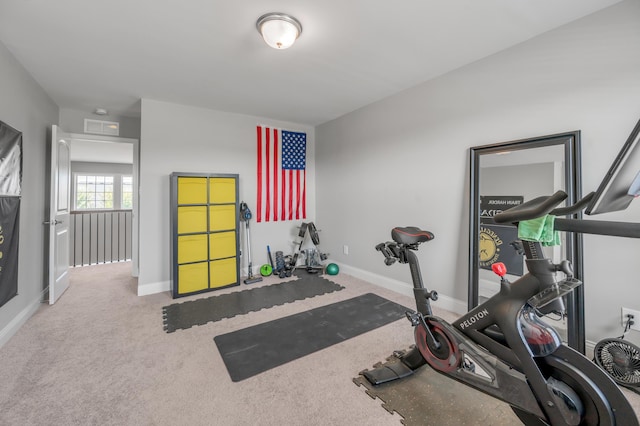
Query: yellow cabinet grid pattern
x=204 y=220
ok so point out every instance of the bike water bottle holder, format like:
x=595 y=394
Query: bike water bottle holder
x=553 y=292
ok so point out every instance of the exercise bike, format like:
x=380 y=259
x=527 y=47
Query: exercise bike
x=502 y=347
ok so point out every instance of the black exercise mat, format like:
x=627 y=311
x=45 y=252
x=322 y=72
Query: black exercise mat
x=256 y=349
x=201 y=311
x=428 y=398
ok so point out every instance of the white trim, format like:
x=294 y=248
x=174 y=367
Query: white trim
x=19 y=320
x=153 y=288
x=100 y=138
x=444 y=302
x=135 y=226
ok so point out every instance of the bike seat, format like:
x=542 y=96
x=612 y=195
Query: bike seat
x=410 y=235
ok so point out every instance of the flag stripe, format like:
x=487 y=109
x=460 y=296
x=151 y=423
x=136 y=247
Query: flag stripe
x=304 y=194
x=275 y=175
x=283 y=196
x=259 y=202
x=267 y=175
x=298 y=194
x=290 y=194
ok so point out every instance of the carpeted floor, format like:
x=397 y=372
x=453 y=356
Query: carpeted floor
x=100 y=356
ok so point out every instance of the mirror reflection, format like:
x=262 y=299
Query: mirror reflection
x=506 y=179
x=503 y=176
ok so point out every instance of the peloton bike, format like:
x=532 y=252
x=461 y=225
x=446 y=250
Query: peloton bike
x=502 y=347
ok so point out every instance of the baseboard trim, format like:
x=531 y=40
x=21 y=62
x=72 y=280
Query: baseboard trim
x=153 y=288
x=444 y=302
x=19 y=320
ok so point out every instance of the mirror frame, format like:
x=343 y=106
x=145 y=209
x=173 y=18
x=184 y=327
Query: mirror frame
x=573 y=244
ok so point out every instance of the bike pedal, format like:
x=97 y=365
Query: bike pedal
x=413 y=317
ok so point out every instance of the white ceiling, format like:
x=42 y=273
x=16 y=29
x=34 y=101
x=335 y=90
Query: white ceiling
x=208 y=53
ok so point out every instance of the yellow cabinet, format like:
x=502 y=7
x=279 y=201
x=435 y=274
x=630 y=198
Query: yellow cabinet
x=204 y=229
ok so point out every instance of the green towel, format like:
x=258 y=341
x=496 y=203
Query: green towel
x=540 y=229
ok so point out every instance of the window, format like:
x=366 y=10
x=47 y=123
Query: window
x=127 y=193
x=94 y=192
x=108 y=191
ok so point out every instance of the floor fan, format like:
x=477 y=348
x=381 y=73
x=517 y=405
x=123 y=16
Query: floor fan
x=620 y=359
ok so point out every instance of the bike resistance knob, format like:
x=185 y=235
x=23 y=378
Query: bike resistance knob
x=499 y=269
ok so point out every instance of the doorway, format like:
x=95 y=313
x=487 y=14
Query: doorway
x=92 y=156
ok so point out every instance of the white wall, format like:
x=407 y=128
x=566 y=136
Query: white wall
x=27 y=108
x=177 y=138
x=404 y=160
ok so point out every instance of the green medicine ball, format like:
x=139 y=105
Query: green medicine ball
x=266 y=270
x=332 y=269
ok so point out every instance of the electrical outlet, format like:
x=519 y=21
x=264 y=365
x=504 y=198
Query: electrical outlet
x=636 y=318
x=345 y=249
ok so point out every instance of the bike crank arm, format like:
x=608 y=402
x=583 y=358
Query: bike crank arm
x=416 y=319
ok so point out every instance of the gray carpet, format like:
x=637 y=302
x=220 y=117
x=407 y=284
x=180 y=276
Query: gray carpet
x=100 y=357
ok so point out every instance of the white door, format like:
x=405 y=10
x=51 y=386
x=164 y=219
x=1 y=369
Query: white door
x=60 y=207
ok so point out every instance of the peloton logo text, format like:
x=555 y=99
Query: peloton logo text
x=474 y=319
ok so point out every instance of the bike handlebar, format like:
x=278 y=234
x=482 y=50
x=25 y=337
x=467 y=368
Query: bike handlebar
x=541 y=206
x=581 y=204
x=531 y=209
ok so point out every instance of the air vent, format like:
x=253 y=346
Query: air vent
x=99 y=127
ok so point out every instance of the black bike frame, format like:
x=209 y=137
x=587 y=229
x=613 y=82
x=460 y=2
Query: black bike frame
x=521 y=360
x=502 y=309
x=502 y=347
x=517 y=377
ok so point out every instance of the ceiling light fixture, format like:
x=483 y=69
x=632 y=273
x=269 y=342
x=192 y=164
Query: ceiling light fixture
x=100 y=111
x=279 y=30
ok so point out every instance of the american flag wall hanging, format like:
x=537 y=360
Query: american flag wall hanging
x=282 y=175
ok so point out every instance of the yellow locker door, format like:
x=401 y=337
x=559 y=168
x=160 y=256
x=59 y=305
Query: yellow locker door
x=222 y=217
x=192 y=277
x=192 y=248
x=192 y=219
x=223 y=272
x=222 y=245
x=222 y=190
x=192 y=190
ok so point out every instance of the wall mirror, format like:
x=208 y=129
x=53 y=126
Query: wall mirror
x=502 y=176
